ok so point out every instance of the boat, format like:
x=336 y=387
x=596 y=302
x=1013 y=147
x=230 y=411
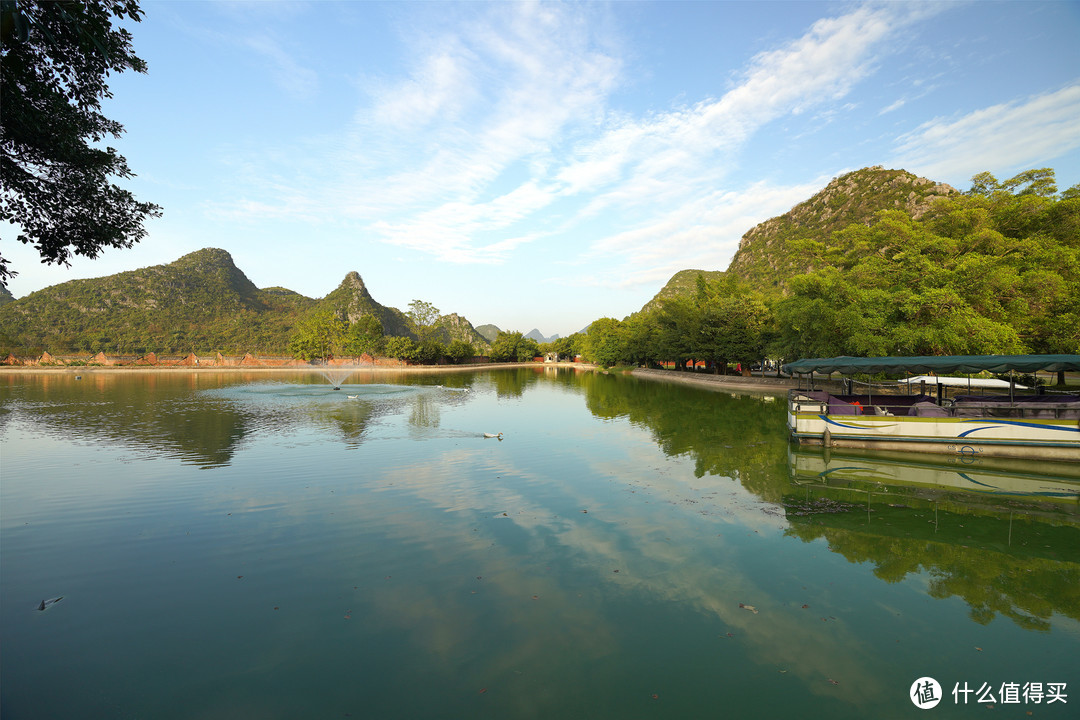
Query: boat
x=942 y=417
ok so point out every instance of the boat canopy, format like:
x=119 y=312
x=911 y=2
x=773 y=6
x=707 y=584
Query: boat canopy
x=936 y=364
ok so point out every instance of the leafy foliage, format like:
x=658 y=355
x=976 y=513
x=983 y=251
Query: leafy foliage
x=459 y=351
x=56 y=178
x=723 y=321
x=990 y=272
x=320 y=335
x=423 y=316
x=770 y=253
x=402 y=348
x=882 y=263
x=513 y=347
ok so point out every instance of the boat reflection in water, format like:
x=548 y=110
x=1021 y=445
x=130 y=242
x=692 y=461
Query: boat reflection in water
x=930 y=476
x=987 y=503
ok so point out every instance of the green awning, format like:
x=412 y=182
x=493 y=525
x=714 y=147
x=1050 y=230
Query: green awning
x=936 y=364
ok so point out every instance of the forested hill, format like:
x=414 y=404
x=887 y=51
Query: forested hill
x=5 y=295
x=201 y=301
x=770 y=253
x=351 y=300
x=880 y=263
x=682 y=283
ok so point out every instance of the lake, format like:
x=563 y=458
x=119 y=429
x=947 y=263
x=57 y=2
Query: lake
x=262 y=546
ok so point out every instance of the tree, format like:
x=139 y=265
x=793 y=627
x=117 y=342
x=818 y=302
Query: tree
x=604 y=343
x=364 y=336
x=459 y=351
x=56 y=180
x=513 y=346
x=423 y=316
x=402 y=348
x=429 y=352
x=319 y=336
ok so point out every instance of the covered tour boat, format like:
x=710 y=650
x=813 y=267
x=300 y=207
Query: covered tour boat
x=939 y=414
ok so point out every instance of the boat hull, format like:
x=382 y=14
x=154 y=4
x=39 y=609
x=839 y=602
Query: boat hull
x=1044 y=439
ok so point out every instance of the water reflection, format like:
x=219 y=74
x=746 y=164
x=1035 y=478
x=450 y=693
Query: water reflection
x=607 y=550
x=204 y=418
x=738 y=436
x=1004 y=538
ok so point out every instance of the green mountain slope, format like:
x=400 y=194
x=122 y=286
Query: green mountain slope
x=770 y=253
x=202 y=303
x=881 y=262
x=488 y=332
x=682 y=283
x=454 y=327
x=351 y=300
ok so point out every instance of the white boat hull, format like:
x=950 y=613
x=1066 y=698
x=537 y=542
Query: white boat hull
x=1046 y=439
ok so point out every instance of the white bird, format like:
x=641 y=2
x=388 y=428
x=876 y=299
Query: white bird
x=489 y=435
x=352 y=397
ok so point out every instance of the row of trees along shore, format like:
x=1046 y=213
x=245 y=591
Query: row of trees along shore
x=328 y=334
x=995 y=270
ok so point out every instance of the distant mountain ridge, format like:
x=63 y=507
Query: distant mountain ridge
x=538 y=336
x=489 y=332
x=200 y=302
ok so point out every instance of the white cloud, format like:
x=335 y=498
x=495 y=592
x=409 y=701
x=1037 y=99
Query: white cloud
x=292 y=77
x=439 y=87
x=899 y=103
x=1010 y=135
x=513 y=106
x=669 y=167
x=703 y=234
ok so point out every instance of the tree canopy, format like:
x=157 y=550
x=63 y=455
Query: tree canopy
x=423 y=316
x=513 y=347
x=57 y=182
x=995 y=270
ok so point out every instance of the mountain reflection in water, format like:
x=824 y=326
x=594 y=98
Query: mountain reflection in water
x=259 y=545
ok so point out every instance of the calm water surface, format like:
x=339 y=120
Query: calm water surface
x=261 y=546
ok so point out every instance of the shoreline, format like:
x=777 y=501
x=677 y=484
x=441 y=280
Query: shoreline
x=307 y=369
x=778 y=386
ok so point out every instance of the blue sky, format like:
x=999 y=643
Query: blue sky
x=543 y=165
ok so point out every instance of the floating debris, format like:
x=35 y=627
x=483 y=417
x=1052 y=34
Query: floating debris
x=751 y=608
x=45 y=604
x=819 y=506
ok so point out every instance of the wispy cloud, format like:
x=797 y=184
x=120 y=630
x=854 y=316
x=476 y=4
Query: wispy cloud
x=891 y=107
x=1008 y=135
x=501 y=132
x=289 y=74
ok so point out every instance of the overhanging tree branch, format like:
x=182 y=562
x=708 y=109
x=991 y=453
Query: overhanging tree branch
x=57 y=188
